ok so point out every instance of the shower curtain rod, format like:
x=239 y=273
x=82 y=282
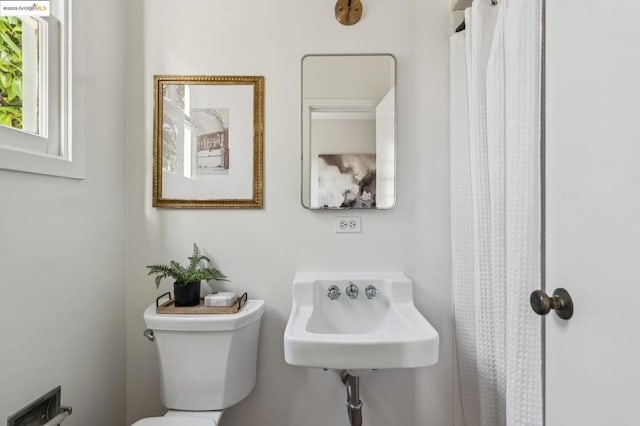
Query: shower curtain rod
x=463 y=26
x=463 y=4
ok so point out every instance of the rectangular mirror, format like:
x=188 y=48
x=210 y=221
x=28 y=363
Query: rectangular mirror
x=348 y=131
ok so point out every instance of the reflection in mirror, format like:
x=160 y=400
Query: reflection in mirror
x=348 y=131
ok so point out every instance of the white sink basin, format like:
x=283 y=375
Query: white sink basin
x=384 y=332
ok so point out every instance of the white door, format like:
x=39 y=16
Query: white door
x=593 y=211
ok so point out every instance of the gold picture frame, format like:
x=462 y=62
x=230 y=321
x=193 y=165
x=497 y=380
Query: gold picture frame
x=208 y=141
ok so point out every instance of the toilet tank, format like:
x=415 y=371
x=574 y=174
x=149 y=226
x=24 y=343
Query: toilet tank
x=207 y=361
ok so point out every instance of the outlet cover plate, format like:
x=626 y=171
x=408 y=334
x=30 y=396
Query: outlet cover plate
x=350 y=224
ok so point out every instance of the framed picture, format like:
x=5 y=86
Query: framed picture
x=207 y=141
x=346 y=181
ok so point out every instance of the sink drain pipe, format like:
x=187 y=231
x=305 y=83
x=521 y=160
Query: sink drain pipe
x=354 y=405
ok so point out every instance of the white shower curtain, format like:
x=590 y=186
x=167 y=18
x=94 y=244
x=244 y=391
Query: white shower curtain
x=495 y=188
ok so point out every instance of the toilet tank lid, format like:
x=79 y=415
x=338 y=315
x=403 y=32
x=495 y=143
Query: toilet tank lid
x=252 y=311
x=175 y=421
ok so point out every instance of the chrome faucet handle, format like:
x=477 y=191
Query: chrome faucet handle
x=333 y=292
x=371 y=292
x=352 y=290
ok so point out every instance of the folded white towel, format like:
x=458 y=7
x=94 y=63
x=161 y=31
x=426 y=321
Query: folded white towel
x=220 y=299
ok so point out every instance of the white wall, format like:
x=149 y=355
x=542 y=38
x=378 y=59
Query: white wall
x=62 y=250
x=342 y=136
x=340 y=77
x=260 y=250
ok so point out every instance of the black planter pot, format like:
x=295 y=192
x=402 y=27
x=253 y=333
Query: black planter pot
x=186 y=295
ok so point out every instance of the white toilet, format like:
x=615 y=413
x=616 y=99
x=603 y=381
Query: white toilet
x=207 y=363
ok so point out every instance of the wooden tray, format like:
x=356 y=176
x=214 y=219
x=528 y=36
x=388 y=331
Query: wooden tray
x=169 y=307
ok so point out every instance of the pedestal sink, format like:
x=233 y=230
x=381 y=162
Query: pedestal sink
x=333 y=329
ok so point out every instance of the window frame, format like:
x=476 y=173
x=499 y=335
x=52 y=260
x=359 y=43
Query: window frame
x=58 y=131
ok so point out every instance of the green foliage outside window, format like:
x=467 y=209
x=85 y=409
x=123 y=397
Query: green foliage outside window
x=11 y=71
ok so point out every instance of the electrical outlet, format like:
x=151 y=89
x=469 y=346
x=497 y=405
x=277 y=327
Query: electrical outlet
x=348 y=225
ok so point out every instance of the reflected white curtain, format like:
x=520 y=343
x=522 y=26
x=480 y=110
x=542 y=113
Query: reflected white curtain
x=495 y=185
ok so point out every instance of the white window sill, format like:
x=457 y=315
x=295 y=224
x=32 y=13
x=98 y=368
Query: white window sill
x=29 y=162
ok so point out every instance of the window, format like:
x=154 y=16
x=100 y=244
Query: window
x=35 y=108
x=11 y=72
x=23 y=71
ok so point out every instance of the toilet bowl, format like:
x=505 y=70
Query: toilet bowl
x=207 y=362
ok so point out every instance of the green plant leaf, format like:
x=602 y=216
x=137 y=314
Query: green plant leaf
x=5 y=119
x=193 y=273
x=17 y=87
x=10 y=43
x=11 y=94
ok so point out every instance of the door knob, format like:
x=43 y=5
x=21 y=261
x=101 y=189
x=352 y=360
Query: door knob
x=560 y=302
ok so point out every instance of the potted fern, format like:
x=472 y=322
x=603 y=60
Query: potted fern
x=186 y=287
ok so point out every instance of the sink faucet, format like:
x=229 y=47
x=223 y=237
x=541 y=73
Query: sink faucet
x=371 y=292
x=352 y=290
x=333 y=292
